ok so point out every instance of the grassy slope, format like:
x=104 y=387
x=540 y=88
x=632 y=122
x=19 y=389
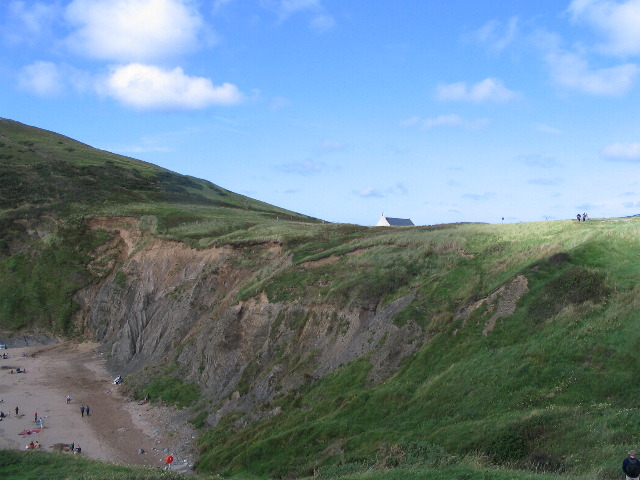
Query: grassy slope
x=552 y=387
x=42 y=171
x=44 y=175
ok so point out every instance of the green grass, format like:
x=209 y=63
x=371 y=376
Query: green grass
x=38 y=465
x=37 y=283
x=172 y=391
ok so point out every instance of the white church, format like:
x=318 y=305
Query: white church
x=394 y=222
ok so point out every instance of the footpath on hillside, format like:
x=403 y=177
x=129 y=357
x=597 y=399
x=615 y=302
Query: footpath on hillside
x=116 y=430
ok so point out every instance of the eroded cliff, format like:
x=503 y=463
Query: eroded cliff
x=164 y=303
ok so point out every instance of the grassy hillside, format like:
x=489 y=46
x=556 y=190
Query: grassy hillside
x=49 y=184
x=42 y=171
x=546 y=390
x=551 y=388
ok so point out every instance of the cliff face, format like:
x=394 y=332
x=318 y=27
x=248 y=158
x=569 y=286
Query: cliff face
x=164 y=302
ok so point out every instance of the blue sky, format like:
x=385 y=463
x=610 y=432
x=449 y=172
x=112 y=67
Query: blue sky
x=436 y=110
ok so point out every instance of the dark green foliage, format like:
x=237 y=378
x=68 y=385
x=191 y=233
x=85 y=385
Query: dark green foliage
x=343 y=283
x=248 y=377
x=572 y=285
x=36 y=286
x=120 y=279
x=199 y=420
x=171 y=391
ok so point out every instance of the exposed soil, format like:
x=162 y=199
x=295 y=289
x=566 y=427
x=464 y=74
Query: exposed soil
x=117 y=430
x=502 y=302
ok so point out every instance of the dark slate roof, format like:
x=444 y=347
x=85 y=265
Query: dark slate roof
x=400 y=222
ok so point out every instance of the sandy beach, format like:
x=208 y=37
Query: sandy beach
x=117 y=429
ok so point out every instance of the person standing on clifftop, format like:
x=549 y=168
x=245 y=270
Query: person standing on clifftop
x=631 y=466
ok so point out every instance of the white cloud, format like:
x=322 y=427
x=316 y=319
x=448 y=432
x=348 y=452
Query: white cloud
x=220 y=4
x=572 y=71
x=623 y=151
x=27 y=22
x=539 y=161
x=304 y=167
x=278 y=103
x=369 y=192
x=544 y=182
x=453 y=120
x=133 y=30
x=488 y=90
x=147 y=87
x=42 y=78
x=289 y=7
x=483 y=197
x=410 y=122
x=48 y=79
x=617 y=21
x=332 y=146
x=322 y=23
x=541 y=127
x=496 y=36
x=372 y=192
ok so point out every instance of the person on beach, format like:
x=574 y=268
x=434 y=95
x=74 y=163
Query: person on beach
x=17 y=409
x=82 y=410
x=35 y=417
x=68 y=399
x=87 y=410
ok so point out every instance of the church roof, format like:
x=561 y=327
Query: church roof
x=400 y=222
